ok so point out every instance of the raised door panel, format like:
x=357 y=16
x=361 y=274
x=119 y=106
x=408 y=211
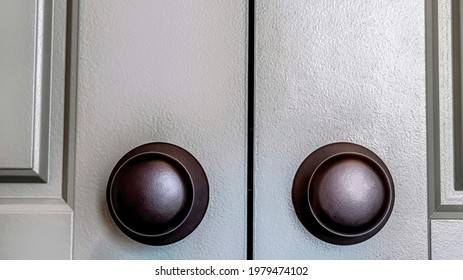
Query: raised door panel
x=330 y=71
x=162 y=71
x=17 y=79
x=25 y=85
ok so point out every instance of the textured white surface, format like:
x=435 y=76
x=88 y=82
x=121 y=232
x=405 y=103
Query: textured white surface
x=446 y=239
x=329 y=71
x=172 y=71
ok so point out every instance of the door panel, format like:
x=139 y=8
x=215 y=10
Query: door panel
x=350 y=71
x=445 y=130
x=25 y=85
x=35 y=218
x=162 y=71
x=17 y=82
x=37 y=231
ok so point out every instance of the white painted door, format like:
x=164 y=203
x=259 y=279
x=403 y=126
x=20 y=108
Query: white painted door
x=340 y=71
x=162 y=71
x=137 y=72
x=382 y=74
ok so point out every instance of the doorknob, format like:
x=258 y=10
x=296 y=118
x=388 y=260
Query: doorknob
x=343 y=193
x=157 y=193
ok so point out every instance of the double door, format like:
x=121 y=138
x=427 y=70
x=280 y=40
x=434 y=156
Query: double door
x=84 y=82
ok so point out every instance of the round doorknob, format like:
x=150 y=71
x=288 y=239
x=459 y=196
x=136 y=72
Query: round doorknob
x=157 y=193
x=343 y=193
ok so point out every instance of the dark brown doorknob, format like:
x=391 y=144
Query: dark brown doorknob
x=157 y=193
x=343 y=193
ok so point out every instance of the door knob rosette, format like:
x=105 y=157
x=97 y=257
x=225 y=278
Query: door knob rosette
x=343 y=193
x=157 y=193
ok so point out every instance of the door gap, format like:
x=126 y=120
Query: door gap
x=250 y=138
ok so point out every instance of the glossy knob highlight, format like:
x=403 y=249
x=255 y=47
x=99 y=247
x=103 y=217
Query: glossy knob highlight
x=157 y=193
x=343 y=193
